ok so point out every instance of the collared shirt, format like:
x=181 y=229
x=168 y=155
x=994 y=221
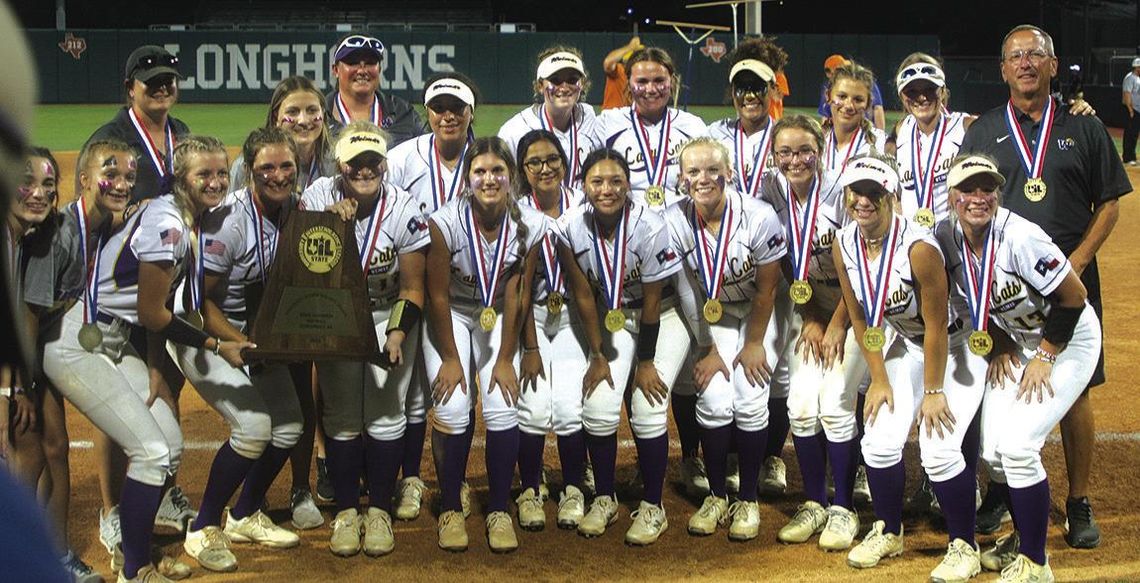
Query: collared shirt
x=399 y=119
x=148 y=183
x=1132 y=85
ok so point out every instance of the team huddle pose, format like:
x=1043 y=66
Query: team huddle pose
x=757 y=274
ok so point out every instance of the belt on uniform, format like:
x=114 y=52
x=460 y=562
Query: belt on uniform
x=953 y=328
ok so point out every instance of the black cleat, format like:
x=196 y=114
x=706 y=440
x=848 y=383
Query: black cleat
x=1082 y=531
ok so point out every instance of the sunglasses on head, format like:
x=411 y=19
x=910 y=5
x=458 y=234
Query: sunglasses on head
x=358 y=41
x=151 y=61
x=920 y=69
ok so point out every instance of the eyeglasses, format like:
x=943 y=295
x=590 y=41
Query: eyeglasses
x=535 y=164
x=805 y=155
x=1035 y=56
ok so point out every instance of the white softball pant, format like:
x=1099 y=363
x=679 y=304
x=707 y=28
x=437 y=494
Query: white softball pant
x=726 y=400
x=477 y=353
x=360 y=396
x=556 y=402
x=601 y=412
x=962 y=384
x=110 y=387
x=1014 y=431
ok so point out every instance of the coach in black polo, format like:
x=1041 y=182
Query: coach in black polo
x=1070 y=190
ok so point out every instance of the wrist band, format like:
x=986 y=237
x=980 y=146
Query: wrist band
x=6 y=392
x=1061 y=323
x=405 y=316
x=933 y=391
x=530 y=350
x=647 y=341
x=181 y=332
x=1046 y=357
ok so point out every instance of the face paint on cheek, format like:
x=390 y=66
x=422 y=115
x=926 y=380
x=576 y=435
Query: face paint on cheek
x=25 y=192
x=49 y=170
x=132 y=164
x=288 y=119
x=720 y=182
x=105 y=186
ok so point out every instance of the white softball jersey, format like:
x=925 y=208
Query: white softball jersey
x=746 y=152
x=232 y=248
x=573 y=203
x=942 y=145
x=577 y=141
x=619 y=129
x=414 y=167
x=835 y=155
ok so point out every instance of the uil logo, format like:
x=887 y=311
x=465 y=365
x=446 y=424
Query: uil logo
x=320 y=249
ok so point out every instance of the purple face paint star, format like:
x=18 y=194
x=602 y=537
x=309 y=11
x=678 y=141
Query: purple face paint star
x=49 y=170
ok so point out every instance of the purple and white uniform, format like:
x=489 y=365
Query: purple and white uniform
x=751 y=156
x=641 y=144
x=935 y=151
x=579 y=139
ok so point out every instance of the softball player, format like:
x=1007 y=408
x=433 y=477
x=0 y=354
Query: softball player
x=429 y=167
x=554 y=347
x=824 y=365
x=265 y=423
x=1044 y=353
x=848 y=133
x=558 y=88
x=297 y=107
x=734 y=245
x=359 y=397
x=649 y=133
x=619 y=251
x=892 y=272
x=480 y=263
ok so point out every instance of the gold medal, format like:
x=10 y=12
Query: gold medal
x=981 y=343
x=655 y=195
x=90 y=337
x=800 y=291
x=554 y=301
x=924 y=217
x=874 y=338
x=487 y=319
x=1035 y=190
x=615 y=320
x=195 y=319
x=713 y=311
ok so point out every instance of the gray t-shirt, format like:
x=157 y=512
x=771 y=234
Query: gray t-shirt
x=55 y=272
x=1132 y=85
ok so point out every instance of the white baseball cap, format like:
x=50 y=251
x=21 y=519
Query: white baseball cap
x=356 y=143
x=1136 y=62
x=873 y=170
x=920 y=71
x=450 y=86
x=972 y=166
x=558 y=61
x=761 y=69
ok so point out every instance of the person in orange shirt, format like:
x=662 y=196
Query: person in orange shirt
x=776 y=98
x=616 y=79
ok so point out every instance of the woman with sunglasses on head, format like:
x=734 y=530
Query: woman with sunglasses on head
x=560 y=84
x=649 y=131
x=554 y=348
x=364 y=404
x=356 y=66
x=619 y=252
x=733 y=273
x=430 y=168
x=848 y=133
x=484 y=247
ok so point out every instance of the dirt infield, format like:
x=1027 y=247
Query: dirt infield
x=563 y=556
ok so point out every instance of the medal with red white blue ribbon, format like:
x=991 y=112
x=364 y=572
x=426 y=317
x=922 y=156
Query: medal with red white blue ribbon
x=801 y=225
x=372 y=233
x=1032 y=158
x=924 y=173
x=346 y=118
x=873 y=293
x=163 y=169
x=90 y=336
x=264 y=258
x=488 y=280
x=611 y=272
x=748 y=182
x=555 y=286
x=197 y=280
x=655 y=163
x=853 y=146
x=979 y=284
x=548 y=125
x=711 y=266
x=441 y=194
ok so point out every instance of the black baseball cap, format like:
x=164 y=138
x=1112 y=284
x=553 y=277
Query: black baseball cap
x=150 y=61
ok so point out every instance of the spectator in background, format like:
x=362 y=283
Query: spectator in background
x=776 y=97
x=1131 y=100
x=356 y=66
x=616 y=77
x=874 y=113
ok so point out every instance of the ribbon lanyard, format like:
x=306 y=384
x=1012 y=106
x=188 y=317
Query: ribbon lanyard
x=711 y=267
x=548 y=125
x=1032 y=159
x=91 y=289
x=346 y=119
x=263 y=258
x=803 y=231
x=488 y=283
x=198 y=277
x=441 y=194
x=853 y=146
x=978 y=285
x=372 y=233
x=654 y=165
x=749 y=182
x=612 y=272
x=874 y=292
x=554 y=279
x=162 y=168
x=924 y=173
x=314 y=170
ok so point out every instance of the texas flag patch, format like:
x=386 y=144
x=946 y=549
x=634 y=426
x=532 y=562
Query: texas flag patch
x=775 y=241
x=1046 y=264
x=415 y=225
x=665 y=255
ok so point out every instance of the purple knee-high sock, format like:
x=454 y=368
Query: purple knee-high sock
x=226 y=474
x=956 y=497
x=811 y=453
x=603 y=452
x=137 y=507
x=715 y=442
x=468 y=438
x=382 y=459
x=530 y=459
x=414 y=435
x=887 y=489
x=451 y=463
x=344 y=459
x=778 y=427
x=501 y=453
x=572 y=457
x=1002 y=489
x=972 y=444
x=749 y=445
x=652 y=457
x=1032 y=506
x=685 y=416
x=258 y=480
x=844 y=457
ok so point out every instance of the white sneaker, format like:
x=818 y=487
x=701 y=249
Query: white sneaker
x=306 y=515
x=174 y=511
x=571 y=507
x=713 y=512
x=649 y=523
x=1002 y=554
x=842 y=526
x=602 y=513
x=147 y=574
x=259 y=528
x=1024 y=570
x=773 y=477
x=862 y=492
x=694 y=477
x=532 y=516
x=501 y=537
x=876 y=546
x=809 y=519
x=346 y=531
x=211 y=548
x=110 y=531
x=411 y=497
x=745 y=520
x=732 y=474
x=961 y=563
x=378 y=537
